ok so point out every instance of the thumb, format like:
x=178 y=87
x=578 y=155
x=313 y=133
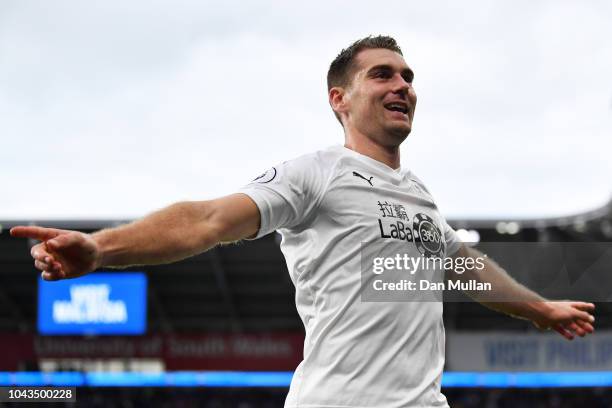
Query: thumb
x=63 y=241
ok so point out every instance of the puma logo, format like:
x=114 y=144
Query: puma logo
x=360 y=176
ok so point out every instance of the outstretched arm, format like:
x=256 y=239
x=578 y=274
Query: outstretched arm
x=176 y=232
x=568 y=318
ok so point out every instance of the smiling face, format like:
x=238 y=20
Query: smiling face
x=379 y=101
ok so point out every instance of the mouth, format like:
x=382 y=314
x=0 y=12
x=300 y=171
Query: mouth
x=400 y=108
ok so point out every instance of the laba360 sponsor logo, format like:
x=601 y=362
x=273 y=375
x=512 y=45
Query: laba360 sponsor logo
x=424 y=233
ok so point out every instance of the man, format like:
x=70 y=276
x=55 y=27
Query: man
x=325 y=205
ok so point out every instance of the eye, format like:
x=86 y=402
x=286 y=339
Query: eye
x=382 y=74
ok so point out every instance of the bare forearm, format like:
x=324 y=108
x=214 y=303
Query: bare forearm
x=168 y=235
x=506 y=295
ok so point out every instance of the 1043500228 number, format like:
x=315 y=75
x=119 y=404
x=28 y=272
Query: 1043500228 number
x=37 y=394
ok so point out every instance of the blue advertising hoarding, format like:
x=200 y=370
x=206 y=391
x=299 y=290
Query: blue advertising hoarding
x=96 y=304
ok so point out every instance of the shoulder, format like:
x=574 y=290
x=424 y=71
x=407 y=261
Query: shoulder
x=323 y=158
x=310 y=171
x=318 y=164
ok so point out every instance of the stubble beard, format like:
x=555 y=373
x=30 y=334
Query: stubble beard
x=394 y=135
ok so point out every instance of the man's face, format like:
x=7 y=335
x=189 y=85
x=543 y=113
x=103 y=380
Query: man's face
x=380 y=100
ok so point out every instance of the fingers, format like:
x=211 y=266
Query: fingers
x=41 y=266
x=586 y=307
x=39 y=233
x=587 y=327
x=564 y=332
x=50 y=271
x=580 y=328
x=46 y=254
x=52 y=276
x=46 y=263
x=576 y=329
x=587 y=317
x=48 y=266
x=40 y=253
x=574 y=319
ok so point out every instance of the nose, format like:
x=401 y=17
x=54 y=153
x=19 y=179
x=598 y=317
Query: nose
x=400 y=85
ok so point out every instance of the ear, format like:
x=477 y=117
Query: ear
x=338 y=99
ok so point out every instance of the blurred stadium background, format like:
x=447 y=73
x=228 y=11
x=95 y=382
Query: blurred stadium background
x=141 y=97
x=222 y=331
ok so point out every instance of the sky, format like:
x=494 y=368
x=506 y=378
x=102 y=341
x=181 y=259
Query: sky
x=111 y=110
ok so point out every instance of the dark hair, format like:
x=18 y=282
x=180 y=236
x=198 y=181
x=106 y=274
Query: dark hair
x=340 y=70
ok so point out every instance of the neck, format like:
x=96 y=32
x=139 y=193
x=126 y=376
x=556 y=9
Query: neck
x=389 y=155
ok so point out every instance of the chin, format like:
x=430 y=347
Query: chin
x=399 y=132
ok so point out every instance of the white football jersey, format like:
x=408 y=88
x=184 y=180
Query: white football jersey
x=357 y=353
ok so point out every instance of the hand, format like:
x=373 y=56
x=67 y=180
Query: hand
x=62 y=254
x=567 y=318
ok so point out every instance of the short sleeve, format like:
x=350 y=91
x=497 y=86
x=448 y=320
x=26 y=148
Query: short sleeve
x=453 y=242
x=287 y=194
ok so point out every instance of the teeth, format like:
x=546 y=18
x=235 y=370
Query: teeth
x=397 y=106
